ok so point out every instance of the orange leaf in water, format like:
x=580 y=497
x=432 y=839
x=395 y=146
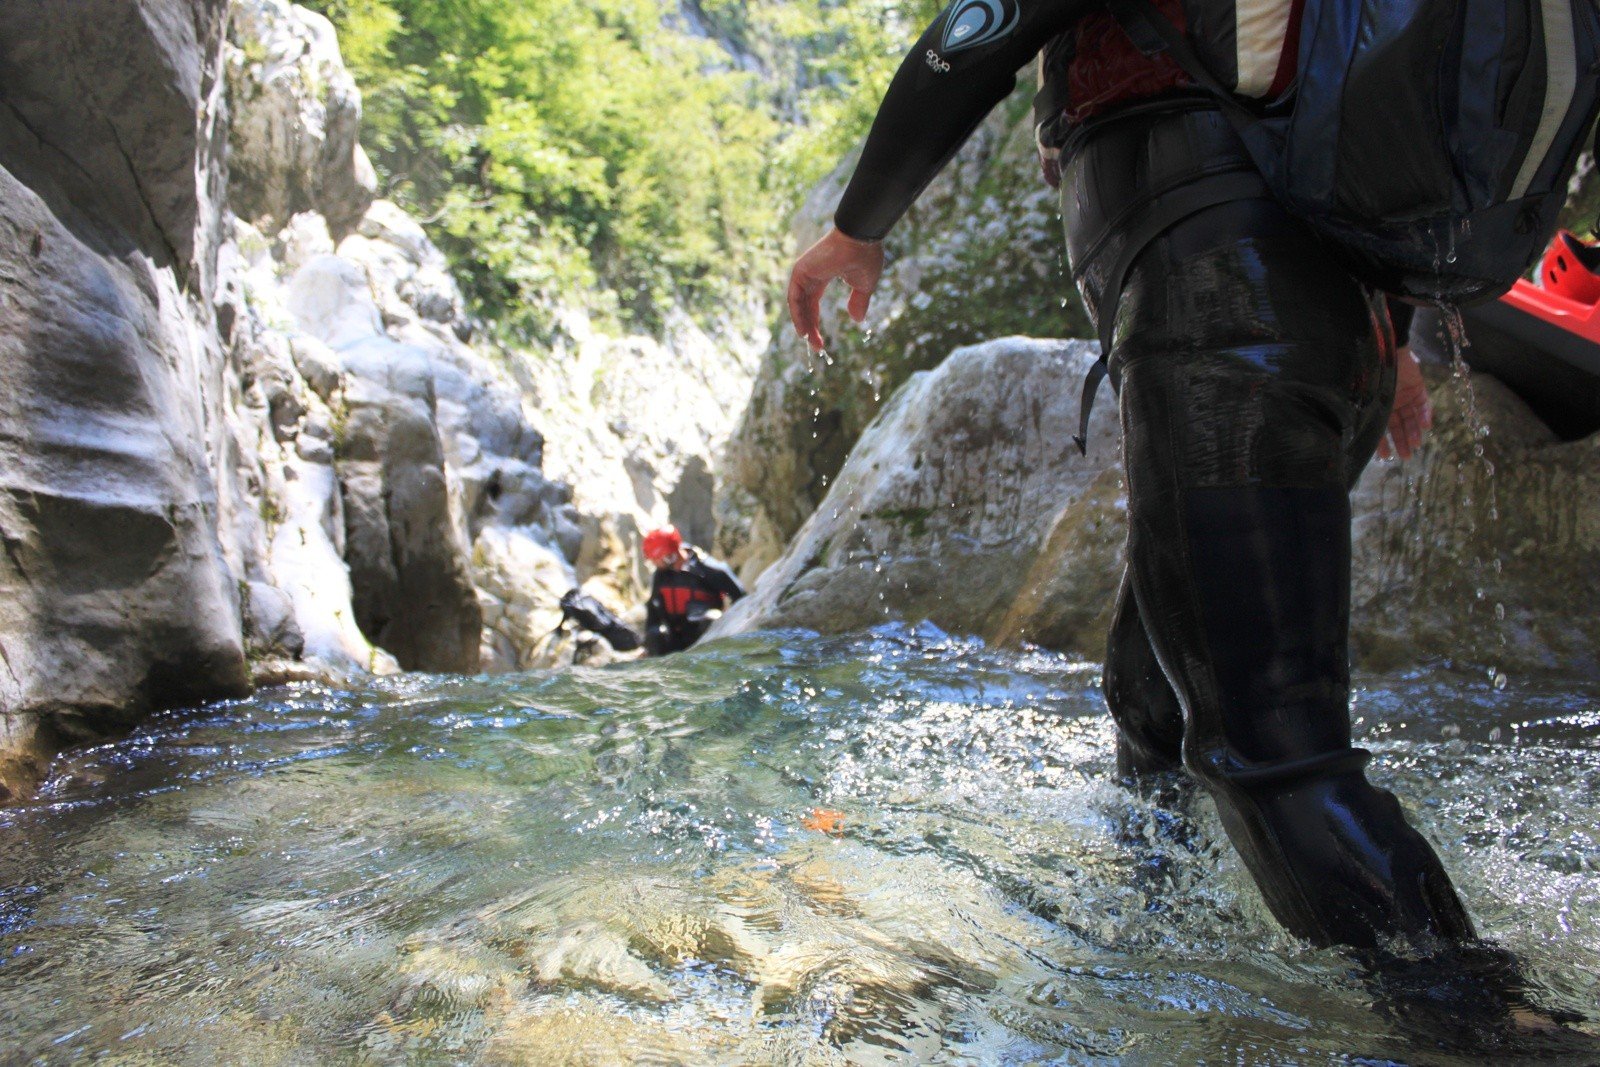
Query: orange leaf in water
x=824 y=821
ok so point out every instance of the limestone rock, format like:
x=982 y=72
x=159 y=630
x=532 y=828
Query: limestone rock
x=412 y=591
x=116 y=593
x=966 y=504
x=112 y=106
x=296 y=119
x=591 y=956
x=520 y=579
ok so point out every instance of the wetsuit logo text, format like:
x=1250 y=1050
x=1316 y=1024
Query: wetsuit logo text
x=936 y=63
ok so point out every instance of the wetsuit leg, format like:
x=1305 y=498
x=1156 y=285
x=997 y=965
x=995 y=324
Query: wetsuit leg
x=1142 y=702
x=1254 y=384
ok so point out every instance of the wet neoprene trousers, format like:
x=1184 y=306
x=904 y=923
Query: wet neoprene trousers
x=1256 y=378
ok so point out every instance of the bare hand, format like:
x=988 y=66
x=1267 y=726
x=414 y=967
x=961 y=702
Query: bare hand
x=858 y=263
x=1412 y=412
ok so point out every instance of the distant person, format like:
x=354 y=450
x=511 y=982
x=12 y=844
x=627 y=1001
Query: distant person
x=687 y=594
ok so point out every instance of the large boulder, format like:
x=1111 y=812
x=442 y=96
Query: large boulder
x=116 y=590
x=296 y=124
x=965 y=503
x=978 y=256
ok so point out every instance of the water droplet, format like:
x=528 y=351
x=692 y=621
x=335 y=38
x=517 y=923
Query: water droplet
x=1500 y=612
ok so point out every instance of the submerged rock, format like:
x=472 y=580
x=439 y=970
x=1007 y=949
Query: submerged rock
x=966 y=503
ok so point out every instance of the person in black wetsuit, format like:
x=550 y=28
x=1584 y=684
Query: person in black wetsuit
x=1256 y=378
x=687 y=588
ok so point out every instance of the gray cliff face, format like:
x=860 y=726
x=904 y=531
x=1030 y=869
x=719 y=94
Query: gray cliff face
x=117 y=592
x=965 y=503
x=113 y=105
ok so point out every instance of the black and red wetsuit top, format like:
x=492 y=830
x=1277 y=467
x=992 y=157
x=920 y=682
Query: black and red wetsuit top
x=679 y=598
x=967 y=62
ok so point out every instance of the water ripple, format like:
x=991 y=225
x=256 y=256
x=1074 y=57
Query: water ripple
x=891 y=847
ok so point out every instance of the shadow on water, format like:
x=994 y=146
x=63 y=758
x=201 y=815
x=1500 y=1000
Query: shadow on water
x=892 y=847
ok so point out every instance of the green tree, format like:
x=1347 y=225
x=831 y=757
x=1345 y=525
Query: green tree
x=638 y=152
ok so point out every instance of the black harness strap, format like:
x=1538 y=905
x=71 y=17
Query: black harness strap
x=1165 y=212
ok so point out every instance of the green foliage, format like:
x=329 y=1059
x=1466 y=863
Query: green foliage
x=639 y=149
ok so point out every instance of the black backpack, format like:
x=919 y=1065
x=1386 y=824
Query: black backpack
x=589 y=614
x=1429 y=141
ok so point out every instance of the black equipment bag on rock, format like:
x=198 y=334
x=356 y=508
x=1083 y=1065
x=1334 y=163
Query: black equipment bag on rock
x=581 y=608
x=1431 y=141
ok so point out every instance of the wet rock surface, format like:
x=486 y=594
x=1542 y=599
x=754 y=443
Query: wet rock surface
x=116 y=596
x=966 y=504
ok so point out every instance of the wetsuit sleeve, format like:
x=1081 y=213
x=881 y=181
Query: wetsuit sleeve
x=724 y=581
x=655 y=613
x=941 y=93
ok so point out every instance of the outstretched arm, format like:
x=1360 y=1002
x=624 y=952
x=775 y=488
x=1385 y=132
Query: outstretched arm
x=960 y=68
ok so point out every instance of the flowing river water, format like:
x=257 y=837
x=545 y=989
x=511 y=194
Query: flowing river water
x=892 y=847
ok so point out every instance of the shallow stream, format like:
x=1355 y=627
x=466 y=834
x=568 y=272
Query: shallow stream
x=894 y=847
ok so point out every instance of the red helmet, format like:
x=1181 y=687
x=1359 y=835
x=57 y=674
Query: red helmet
x=662 y=544
x=1569 y=269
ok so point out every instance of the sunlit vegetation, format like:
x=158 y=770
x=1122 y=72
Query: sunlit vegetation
x=632 y=154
